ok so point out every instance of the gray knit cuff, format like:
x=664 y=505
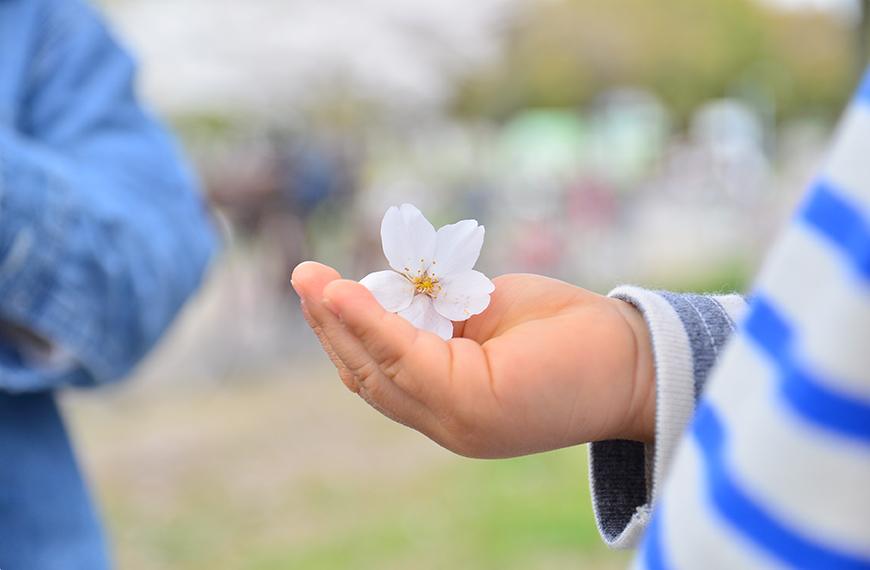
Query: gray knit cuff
x=686 y=333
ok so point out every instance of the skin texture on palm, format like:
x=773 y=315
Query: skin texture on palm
x=547 y=365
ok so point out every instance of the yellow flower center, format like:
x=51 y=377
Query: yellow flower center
x=427 y=285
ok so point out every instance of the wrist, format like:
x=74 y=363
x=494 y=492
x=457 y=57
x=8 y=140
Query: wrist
x=640 y=415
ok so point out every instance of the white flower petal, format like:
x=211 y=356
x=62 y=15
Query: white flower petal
x=422 y=314
x=408 y=239
x=463 y=295
x=457 y=247
x=393 y=291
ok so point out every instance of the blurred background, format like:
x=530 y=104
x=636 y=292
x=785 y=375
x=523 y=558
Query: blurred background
x=658 y=143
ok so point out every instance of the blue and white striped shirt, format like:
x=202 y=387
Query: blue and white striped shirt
x=773 y=470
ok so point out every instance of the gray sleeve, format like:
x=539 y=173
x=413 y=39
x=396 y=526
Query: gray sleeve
x=687 y=333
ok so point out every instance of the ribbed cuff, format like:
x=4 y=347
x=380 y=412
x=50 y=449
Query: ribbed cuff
x=625 y=477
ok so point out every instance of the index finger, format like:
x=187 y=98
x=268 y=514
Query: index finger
x=359 y=368
x=417 y=361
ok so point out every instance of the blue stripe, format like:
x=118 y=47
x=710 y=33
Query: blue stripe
x=750 y=518
x=842 y=223
x=808 y=396
x=652 y=555
x=827 y=408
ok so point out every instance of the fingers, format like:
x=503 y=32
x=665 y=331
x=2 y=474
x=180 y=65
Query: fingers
x=365 y=336
x=365 y=343
x=417 y=361
x=308 y=280
x=346 y=377
x=437 y=387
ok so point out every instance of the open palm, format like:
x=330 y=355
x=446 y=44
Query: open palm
x=546 y=365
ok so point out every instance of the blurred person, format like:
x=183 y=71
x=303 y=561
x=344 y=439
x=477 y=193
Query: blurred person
x=725 y=433
x=273 y=191
x=103 y=236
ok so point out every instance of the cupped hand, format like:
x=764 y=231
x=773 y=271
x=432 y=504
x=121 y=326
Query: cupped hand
x=547 y=365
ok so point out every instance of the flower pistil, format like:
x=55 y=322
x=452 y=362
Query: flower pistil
x=426 y=284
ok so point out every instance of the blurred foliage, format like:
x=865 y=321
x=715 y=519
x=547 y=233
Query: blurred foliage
x=562 y=53
x=864 y=35
x=732 y=274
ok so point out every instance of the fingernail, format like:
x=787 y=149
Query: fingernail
x=331 y=306
x=295 y=287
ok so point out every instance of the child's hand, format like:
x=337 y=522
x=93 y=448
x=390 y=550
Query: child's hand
x=546 y=365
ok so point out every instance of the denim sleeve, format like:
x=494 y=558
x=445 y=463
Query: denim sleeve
x=103 y=233
x=687 y=333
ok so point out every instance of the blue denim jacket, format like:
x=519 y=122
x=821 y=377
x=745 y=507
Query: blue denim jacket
x=103 y=236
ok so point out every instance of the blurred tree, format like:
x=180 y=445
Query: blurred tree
x=561 y=53
x=864 y=34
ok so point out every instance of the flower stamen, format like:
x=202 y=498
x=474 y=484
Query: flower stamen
x=426 y=285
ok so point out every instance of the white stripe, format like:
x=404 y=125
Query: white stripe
x=813 y=481
x=742 y=377
x=735 y=306
x=828 y=303
x=848 y=164
x=694 y=537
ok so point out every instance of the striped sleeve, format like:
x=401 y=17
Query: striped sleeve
x=688 y=333
x=774 y=469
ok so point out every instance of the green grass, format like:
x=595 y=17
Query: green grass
x=500 y=514
x=302 y=475
x=529 y=512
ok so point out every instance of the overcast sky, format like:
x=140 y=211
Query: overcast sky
x=226 y=53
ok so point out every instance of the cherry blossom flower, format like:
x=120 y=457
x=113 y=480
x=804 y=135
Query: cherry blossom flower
x=432 y=281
